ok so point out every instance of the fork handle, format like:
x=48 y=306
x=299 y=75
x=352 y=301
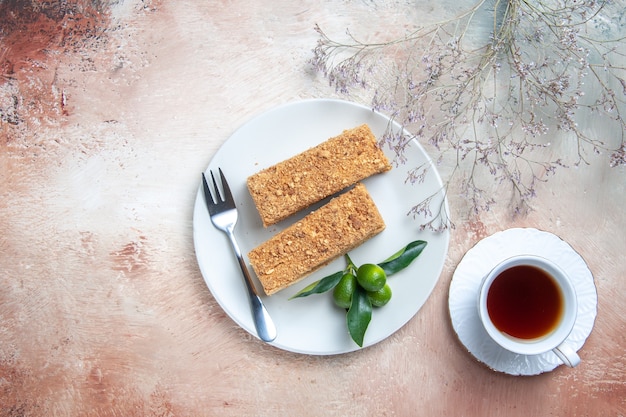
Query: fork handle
x=262 y=321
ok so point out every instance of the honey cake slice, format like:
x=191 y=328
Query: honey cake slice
x=317 y=173
x=334 y=229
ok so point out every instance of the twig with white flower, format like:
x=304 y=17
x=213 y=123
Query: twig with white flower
x=546 y=69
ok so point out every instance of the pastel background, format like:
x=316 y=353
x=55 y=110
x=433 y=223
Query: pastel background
x=109 y=110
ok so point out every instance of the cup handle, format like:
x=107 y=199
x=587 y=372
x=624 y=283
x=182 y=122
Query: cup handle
x=567 y=355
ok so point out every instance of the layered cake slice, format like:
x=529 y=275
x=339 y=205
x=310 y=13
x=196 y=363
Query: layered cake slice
x=334 y=229
x=294 y=184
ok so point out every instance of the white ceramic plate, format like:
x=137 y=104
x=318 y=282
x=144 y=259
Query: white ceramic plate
x=313 y=325
x=485 y=255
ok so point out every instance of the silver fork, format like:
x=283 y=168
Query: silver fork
x=223 y=213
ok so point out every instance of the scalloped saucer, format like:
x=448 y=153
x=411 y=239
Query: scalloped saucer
x=479 y=260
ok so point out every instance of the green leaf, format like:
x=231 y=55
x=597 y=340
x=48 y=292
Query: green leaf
x=395 y=255
x=401 y=259
x=359 y=315
x=321 y=286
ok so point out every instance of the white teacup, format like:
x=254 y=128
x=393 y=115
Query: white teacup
x=528 y=305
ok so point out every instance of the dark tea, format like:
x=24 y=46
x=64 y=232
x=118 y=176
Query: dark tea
x=525 y=302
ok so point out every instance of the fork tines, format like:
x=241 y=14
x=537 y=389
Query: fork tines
x=216 y=197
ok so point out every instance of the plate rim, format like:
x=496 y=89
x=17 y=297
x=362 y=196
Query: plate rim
x=198 y=211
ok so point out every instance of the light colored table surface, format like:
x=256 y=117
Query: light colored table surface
x=107 y=121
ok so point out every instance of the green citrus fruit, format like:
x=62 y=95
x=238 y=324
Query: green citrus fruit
x=342 y=294
x=381 y=297
x=371 y=277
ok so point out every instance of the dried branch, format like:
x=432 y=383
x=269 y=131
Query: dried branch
x=540 y=78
